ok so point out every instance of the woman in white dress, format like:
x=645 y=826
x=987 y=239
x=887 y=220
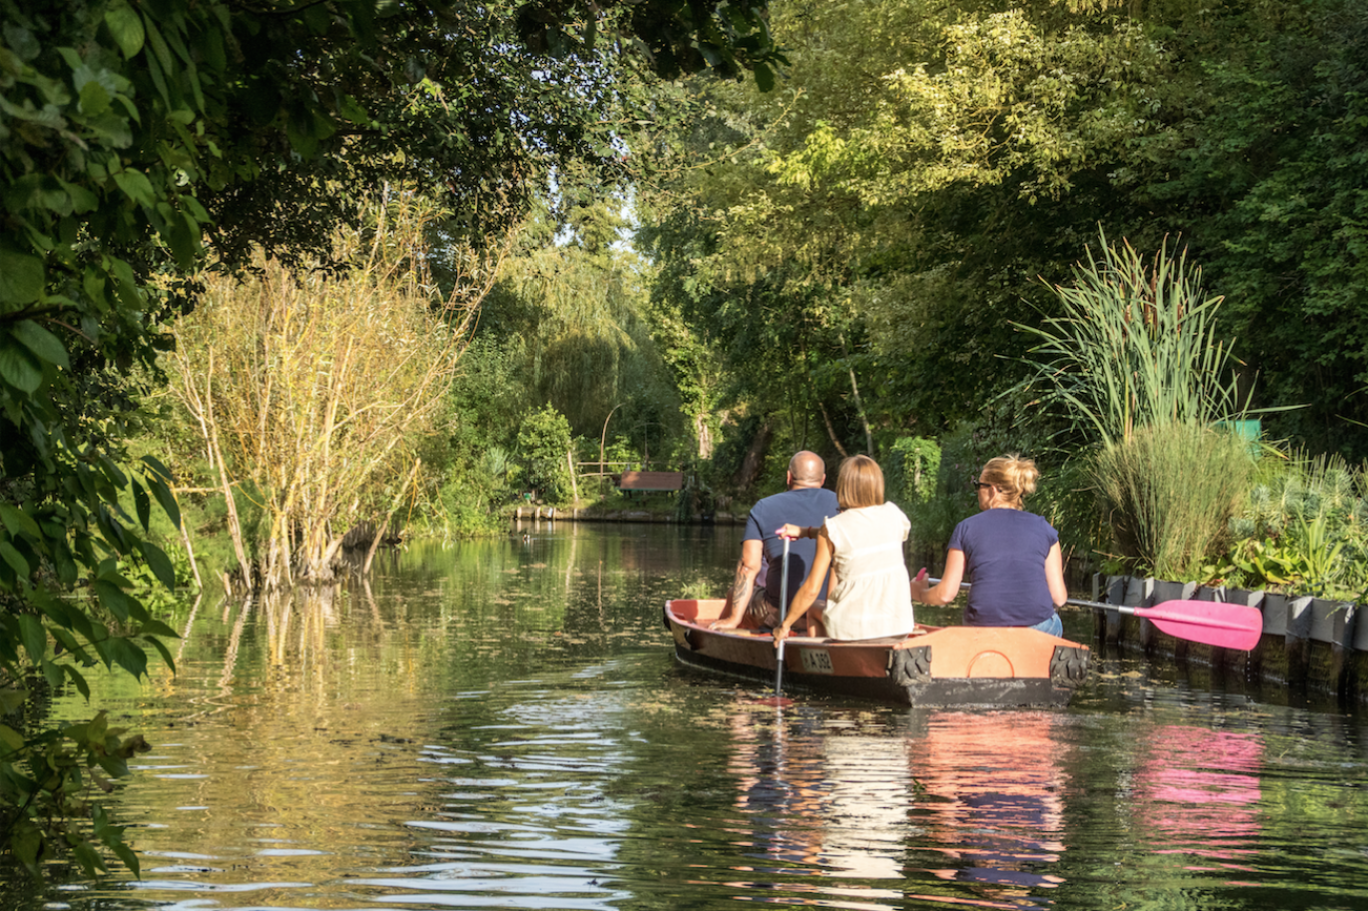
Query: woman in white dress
x=870 y=593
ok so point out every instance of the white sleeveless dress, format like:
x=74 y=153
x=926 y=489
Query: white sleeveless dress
x=873 y=594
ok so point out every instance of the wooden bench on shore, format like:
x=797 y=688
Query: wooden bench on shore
x=644 y=482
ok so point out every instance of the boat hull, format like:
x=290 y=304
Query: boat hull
x=953 y=665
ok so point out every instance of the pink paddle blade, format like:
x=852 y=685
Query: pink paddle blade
x=1210 y=622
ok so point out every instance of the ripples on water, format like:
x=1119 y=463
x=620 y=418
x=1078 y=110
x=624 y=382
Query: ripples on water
x=503 y=726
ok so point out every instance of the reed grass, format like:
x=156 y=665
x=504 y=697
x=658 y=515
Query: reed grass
x=1171 y=490
x=1137 y=365
x=1136 y=345
x=313 y=386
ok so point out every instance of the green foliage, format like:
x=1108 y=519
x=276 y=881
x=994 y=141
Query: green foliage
x=58 y=769
x=132 y=132
x=911 y=469
x=544 y=449
x=1304 y=529
x=877 y=213
x=63 y=524
x=471 y=471
x=924 y=163
x=572 y=309
x=727 y=37
x=1171 y=489
x=1260 y=164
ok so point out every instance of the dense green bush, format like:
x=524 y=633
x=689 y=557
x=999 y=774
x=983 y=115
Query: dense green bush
x=544 y=450
x=1303 y=530
x=910 y=469
x=1170 y=490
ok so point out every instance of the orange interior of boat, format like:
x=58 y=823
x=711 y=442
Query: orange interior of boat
x=957 y=651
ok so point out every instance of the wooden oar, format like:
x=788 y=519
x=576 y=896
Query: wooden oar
x=1210 y=622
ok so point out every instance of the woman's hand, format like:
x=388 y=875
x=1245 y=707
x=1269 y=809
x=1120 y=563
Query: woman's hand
x=920 y=585
x=947 y=589
x=791 y=532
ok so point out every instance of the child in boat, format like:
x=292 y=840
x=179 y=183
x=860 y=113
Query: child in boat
x=1011 y=556
x=869 y=596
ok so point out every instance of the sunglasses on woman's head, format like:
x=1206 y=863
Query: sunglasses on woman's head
x=979 y=485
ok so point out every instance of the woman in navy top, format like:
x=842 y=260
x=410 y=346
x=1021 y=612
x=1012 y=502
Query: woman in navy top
x=1010 y=556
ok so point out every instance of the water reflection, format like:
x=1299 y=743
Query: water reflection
x=999 y=778
x=1199 y=794
x=502 y=725
x=949 y=806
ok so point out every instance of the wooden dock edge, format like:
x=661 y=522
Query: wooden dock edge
x=1309 y=645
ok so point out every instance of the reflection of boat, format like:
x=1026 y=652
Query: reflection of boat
x=951 y=665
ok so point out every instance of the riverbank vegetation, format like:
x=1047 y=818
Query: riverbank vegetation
x=312 y=388
x=140 y=142
x=875 y=253
x=479 y=255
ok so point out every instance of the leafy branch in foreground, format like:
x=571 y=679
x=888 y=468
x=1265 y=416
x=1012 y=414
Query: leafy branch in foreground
x=64 y=529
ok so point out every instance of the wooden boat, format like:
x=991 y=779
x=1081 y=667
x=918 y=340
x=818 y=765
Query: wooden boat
x=950 y=665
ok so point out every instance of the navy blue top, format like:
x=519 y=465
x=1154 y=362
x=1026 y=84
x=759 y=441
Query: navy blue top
x=804 y=507
x=1004 y=558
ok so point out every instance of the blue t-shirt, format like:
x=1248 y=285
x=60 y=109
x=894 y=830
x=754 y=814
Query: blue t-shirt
x=804 y=507
x=1004 y=558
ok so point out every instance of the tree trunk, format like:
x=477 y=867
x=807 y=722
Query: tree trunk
x=234 y=526
x=831 y=431
x=384 y=526
x=859 y=404
x=750 y=465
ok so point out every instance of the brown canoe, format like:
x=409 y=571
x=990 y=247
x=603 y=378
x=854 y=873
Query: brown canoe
x=949 y=665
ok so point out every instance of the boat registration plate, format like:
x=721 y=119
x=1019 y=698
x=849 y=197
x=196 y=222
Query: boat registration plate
x=817 y=661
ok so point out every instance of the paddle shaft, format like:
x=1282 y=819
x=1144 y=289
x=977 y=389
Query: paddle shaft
x=1239 y=629
x=783 y=609
x=1122 y=609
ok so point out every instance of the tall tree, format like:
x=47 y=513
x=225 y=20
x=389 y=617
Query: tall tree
x=132 y=132
x=928 y=161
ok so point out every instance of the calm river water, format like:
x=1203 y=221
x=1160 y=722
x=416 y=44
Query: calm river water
x=503 y=725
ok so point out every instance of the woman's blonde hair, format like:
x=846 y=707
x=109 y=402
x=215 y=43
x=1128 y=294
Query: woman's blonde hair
x=860 y=483
x=1014 y=477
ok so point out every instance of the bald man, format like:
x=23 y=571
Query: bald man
x=805 y=503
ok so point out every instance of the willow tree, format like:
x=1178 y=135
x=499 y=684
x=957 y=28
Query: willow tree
x=572 y=309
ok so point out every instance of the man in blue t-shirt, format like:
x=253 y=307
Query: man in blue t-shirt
x=806 y=503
